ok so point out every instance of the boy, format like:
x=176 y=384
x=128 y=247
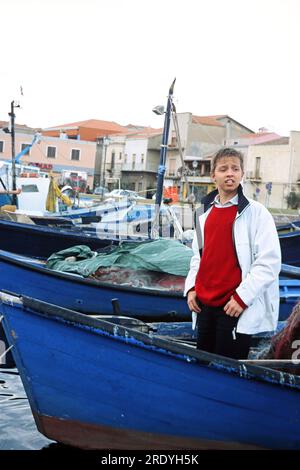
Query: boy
x=232 y=284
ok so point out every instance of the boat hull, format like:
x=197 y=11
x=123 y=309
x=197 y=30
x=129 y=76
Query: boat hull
x=95 y=385
x=96 y=437
x=43 y=241
x=95 y=297
x=86 y=295
x=290 y=248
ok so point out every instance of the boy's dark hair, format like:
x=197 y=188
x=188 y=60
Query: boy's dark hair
x=227 y=152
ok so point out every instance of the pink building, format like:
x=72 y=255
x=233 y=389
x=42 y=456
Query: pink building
x=51 y=154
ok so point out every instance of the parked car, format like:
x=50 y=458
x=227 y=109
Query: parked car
x=101 y=191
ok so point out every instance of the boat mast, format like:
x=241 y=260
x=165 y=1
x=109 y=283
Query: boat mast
x=13 y=150
x=162 y=159
x=164 y=148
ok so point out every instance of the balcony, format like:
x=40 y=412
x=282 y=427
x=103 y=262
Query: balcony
x=172 y=175
x=199 y=179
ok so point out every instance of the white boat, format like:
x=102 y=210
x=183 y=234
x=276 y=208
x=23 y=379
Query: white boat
x=34 y=187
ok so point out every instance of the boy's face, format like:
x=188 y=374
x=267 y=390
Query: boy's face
x=228 y=174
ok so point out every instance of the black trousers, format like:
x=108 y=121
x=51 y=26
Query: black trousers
x=216 y=334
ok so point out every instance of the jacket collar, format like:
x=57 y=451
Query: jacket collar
x=209 y=198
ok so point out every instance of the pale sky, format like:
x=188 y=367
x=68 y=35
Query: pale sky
x=115 y=60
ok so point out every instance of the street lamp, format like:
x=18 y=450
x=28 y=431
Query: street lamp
x=159 y=110
x=106 y=141
x=194 y=165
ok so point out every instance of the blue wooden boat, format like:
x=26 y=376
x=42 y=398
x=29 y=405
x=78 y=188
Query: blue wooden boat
x=51 y=234
x=291 y=226
x=290 y=247
x=42 y=241
x=29 y=276
x=79 y=214
x=289 y=295
x=139 y=220
x=139 y=390
x=289 y=272
x=289 y=284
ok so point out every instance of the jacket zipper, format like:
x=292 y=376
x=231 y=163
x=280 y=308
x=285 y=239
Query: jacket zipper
x=234 y=333
x=233 y=239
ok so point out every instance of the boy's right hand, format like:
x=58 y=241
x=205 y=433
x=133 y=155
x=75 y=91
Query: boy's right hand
x=192 y=301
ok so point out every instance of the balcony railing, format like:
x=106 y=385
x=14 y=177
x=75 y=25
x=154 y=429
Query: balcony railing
x=254 y=175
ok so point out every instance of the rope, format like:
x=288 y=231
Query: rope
x=5 y=352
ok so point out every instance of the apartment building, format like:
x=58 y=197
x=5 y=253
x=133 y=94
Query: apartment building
x=141 y=160
x=273 y=170
x=200 y=138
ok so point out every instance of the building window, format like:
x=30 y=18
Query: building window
x=120 y=156
x=257 y=167
x=172 y=166
x=1 y=146
x=173 y=141
x=205 y=169
x=30 y=188
x=142 y=158
x=23 y=146
x=75 y=154
x=125 y=158
x=133 y=161
x=113 y=156
x=51 y=152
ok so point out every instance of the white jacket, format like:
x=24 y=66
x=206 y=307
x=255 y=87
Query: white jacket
x=258 y=252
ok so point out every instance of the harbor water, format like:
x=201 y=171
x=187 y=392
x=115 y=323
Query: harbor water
x=17 y=427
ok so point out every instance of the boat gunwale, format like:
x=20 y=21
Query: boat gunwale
x=292 y=234
x=43 y=230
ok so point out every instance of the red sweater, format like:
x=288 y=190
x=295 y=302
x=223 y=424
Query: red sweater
x=219 y=272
